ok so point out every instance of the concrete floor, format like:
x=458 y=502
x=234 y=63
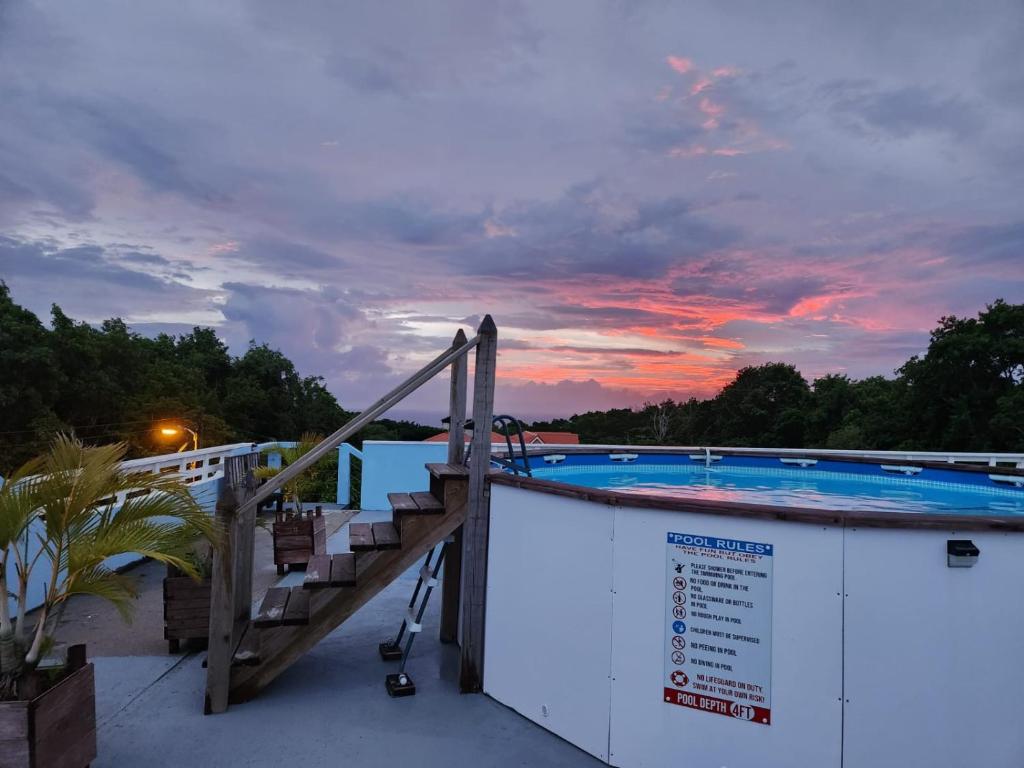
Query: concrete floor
x=329 y=709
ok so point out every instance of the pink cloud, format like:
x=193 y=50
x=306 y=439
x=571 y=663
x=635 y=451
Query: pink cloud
x=680 y=64
x=702 y=84
x=713 y=111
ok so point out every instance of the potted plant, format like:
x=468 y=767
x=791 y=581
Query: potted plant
x=298 y=534
x=187 y=602
x=62 y=516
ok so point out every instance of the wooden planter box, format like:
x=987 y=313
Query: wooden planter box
x=57 y=728
x=186 y=609
x=298 y=539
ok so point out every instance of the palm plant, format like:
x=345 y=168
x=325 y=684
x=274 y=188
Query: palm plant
x=299 y=486
x=66 y=513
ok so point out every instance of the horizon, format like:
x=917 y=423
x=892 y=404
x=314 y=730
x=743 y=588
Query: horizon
x=645 y=198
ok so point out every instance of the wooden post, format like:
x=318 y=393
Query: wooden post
x=230 y=578
x=475 y=529
x=452 y=584
x=457 y=405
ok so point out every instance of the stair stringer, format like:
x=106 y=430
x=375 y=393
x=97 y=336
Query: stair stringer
x=280 y=647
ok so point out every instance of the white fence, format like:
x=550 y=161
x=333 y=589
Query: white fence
x=202 y=470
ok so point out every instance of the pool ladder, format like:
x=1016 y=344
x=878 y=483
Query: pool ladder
x=505 y=425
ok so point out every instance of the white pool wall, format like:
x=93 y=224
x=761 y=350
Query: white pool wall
x=881 y=654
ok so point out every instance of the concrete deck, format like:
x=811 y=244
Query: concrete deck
x=329 y=709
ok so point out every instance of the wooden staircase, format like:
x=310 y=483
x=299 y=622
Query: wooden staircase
x=290 y=621
x=247 y=652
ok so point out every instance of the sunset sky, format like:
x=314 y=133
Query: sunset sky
x=645 y=195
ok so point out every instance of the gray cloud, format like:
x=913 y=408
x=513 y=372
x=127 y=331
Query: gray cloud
x=30 y=268
x=900 y=113
x=614 y=235
x=999 y=244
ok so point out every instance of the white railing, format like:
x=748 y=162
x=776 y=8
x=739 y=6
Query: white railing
x=191 y=466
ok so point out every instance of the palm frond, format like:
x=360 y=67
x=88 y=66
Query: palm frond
x=18 y=508
x=92 y=511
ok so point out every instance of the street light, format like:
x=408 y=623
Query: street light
x=177 y=430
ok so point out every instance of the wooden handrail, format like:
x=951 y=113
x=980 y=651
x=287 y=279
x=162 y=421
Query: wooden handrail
x=396 y=395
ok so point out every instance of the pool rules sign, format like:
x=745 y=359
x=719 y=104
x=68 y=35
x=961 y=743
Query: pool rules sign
x=718 y=626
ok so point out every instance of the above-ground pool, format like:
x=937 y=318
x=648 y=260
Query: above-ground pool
x=735 y=608
x=805 y=482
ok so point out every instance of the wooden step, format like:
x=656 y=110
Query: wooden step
x=297 y=612
x=318 y=572
x=360 y=537
x=447 y=471
x=247 y=654
x=343 y=570
x=272 y=608
x=369 y=537
x=331 y=571
x=415 y=503
x=283 y=606
x=385 y=536
x=402 y=503
x=427 y=503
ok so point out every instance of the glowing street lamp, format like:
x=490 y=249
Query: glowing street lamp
x=178 y=430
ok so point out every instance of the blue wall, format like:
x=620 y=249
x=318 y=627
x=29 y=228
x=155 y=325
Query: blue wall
x=395 y=466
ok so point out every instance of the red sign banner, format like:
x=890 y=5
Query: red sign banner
x=736 y=709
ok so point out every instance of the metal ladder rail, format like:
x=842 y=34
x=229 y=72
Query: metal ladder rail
x=502 y=423
x=400 y=683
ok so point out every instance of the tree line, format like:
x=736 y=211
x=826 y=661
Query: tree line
x=965 y=393
x=106 y=384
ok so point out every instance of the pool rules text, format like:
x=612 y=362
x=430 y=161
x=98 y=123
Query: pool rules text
x=718 y=626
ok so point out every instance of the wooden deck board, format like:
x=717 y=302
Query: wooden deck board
x=296 y=613
x=427 y=503
x=272 y=608
x=318 y=572
x=386 y=536
x=360 y=537
x=343 y=570
x=402 y=502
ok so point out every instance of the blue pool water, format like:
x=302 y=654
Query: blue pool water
x=837 y=485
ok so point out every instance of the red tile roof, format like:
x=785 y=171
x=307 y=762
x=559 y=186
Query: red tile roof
x=555 y=438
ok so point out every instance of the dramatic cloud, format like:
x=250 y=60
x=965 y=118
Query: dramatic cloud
x=645 y=196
